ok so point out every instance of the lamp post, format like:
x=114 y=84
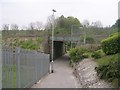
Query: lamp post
x=71 y=35
x=52 y=62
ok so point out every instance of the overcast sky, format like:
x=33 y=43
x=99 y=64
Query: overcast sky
x=22 y=12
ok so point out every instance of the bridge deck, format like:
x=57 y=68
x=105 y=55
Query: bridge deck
x=58 y=38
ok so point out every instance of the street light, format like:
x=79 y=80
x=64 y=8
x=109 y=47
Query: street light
x=52 y=62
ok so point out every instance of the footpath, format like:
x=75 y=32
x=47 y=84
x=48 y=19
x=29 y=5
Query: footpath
x=61 y=78
x=84 y=76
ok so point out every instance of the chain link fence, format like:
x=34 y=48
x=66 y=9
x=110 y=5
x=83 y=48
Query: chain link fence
x=22 y=68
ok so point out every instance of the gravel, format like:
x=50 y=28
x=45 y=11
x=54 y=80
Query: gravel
x=87 y=76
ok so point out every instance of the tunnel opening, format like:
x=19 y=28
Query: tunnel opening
x=58 y=49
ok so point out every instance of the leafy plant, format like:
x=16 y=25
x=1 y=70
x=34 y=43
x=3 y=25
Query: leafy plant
x=108 y=68
x=111 y=45
x=85 y=55
x=76 y=54
x=96 y=55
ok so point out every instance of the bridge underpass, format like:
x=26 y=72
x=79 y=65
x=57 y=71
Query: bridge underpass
x=58 y=49
x=60 y=45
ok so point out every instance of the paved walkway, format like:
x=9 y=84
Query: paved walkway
x=61 y=78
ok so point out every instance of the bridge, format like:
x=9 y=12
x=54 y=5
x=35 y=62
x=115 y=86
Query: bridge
x=60 y=44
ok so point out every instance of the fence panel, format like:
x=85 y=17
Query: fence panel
x=8 y=68
x=22 y=68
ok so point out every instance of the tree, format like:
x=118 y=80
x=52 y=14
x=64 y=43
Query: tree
x=117 y=24
x=24 y=27
x=97 y=24
x=32 y=26
x=72 y=21
x=86 y=23
x=39 y=25
x=14 y=27
x=64 y=24
x=61 y=22
x=49 y=22
x=5 y=27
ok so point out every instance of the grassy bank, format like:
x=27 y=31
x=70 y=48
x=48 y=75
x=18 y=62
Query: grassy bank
x=108 y=69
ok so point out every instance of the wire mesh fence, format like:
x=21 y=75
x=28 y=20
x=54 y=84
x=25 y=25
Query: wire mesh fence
x=22 y=68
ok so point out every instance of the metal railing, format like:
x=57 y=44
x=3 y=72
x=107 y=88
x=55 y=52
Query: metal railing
x=22 y=68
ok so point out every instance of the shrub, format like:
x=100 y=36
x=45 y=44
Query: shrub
x=76 y=54
x=90 y=40
x=85 y=55
x=108 y=68
x=91 y=47
x=109 y=71
x=111 y=45
x=96 y=55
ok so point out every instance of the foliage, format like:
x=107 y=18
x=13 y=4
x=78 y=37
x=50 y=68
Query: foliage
x=97 y=54
x=109 y=68
x=111 y=44
x=90 y=40
x=76 y=54
x=39 y=40
x=117 y=24
x=26 y=44
x=85 y=55
x=91 y=47
x=64 y=24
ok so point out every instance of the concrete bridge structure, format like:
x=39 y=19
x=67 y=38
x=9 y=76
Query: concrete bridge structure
x=60 y=44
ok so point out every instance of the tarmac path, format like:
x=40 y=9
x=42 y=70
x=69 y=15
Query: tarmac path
x=61 y=78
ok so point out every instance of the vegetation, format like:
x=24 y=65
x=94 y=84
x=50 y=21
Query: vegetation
x=108 y=69
x=76 y=54
x=98 y=54
x=111 y=44
x=26 y=44
x=64 y=24
x=117 y=25
x=108 y=65
x=106 y=54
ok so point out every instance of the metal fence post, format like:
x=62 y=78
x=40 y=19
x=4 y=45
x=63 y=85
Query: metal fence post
x=18 y=68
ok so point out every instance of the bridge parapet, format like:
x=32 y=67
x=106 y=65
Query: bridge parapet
x=69 y=39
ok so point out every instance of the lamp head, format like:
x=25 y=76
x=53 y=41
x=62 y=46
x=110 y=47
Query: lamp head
x=54 y=10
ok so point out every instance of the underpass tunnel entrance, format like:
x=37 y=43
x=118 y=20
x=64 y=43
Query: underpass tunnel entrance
x=58 y=49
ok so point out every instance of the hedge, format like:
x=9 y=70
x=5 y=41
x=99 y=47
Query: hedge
x=111 y=45
x=76 y=54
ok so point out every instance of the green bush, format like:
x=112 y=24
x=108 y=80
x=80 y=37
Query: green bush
x=77 y=53
x=85 y=55
x=90 y=40
x=108 y=68
x=96 y=55
x=109 y=72
x=111 y=44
